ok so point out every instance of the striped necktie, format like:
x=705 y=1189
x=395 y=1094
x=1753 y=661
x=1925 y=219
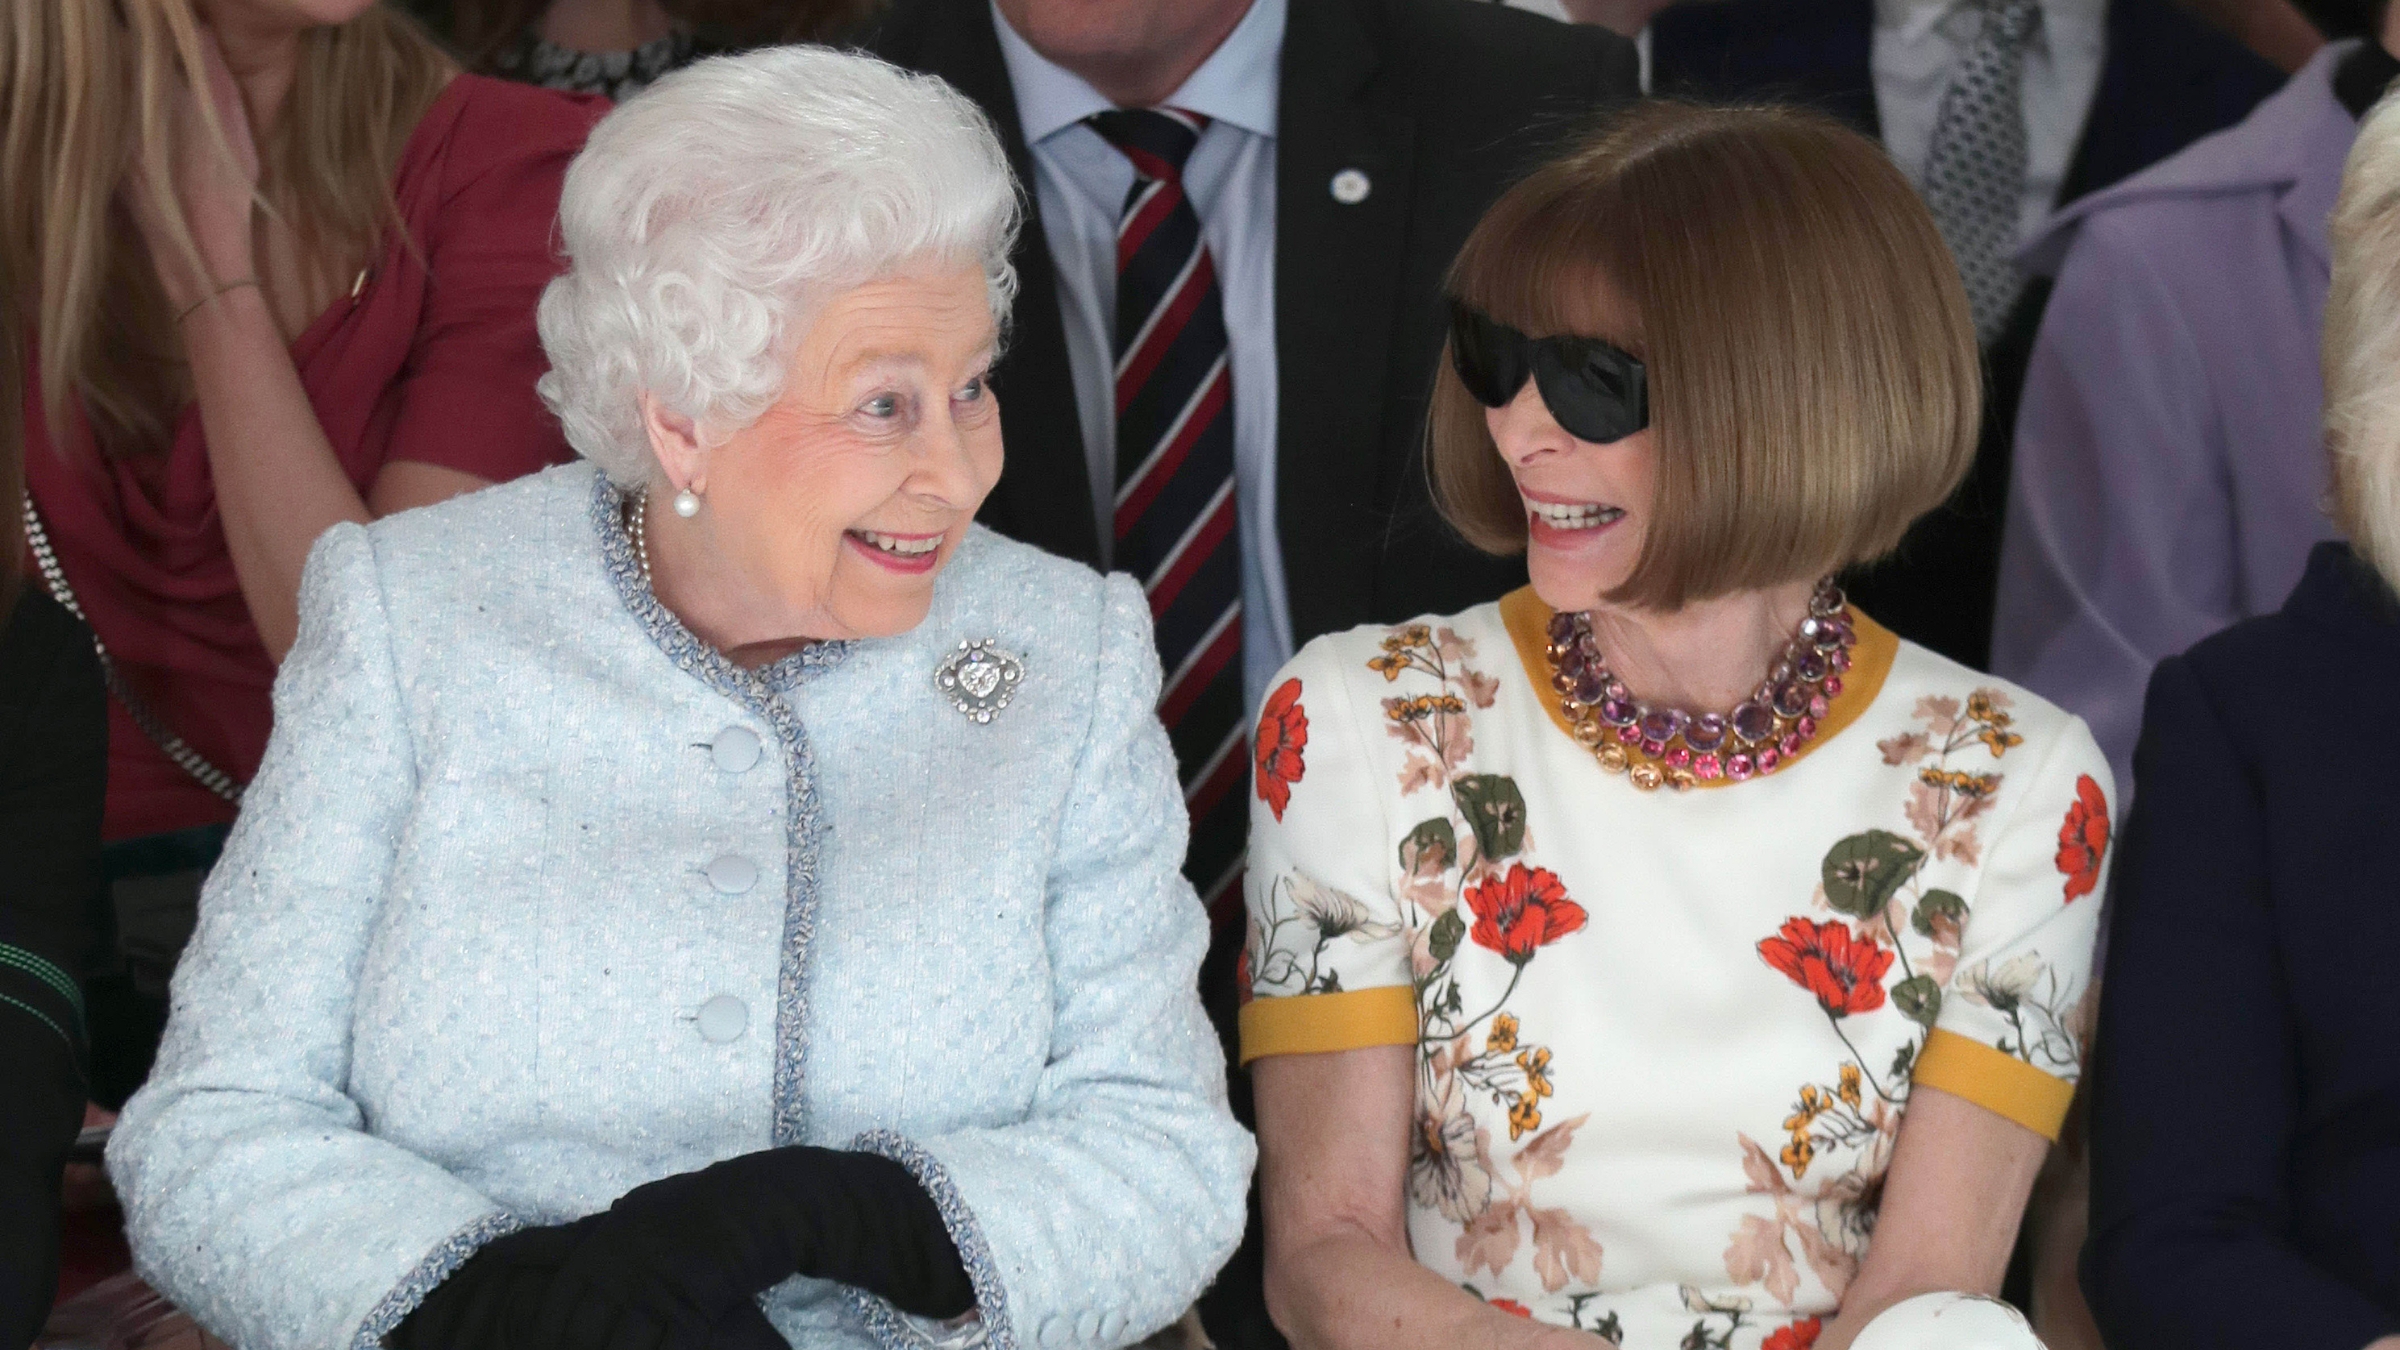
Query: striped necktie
x=1175 y=507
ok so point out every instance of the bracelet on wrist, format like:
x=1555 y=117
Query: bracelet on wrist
x=194 y=307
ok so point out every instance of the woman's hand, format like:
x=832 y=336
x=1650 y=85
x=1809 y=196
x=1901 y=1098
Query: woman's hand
x=1952 y=1199
x=494 y=1301
x=706 y=1243
x=213 y=181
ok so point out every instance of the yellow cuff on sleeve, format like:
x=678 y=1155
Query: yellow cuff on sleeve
x=1313 y=1024
x=2000 y=1083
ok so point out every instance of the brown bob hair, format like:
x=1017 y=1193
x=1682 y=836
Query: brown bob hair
x=1814 y=379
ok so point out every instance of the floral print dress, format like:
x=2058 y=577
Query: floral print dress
x=1664 y=1041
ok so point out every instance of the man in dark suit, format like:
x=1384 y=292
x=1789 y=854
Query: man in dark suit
x=2154 y=80
x=1227 y=328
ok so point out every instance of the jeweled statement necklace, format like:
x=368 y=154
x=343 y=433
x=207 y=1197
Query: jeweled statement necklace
x=1656 y=746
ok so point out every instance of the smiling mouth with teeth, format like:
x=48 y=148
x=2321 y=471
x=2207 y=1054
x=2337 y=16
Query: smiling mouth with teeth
x=1573 y=515
x=896 y=545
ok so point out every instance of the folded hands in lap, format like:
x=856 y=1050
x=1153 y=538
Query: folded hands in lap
x=677 y=1264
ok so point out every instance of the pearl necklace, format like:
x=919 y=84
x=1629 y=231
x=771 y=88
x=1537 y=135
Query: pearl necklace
x=637 y=521
x=1658 y=746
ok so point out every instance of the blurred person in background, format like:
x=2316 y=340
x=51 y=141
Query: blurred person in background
x=2169 y=474
x=275 y=263
x=2245 y=1105
x=617 y=47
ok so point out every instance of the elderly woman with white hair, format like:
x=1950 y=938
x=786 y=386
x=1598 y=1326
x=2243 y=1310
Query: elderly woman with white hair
x=714 y=894
x=2246 y=1084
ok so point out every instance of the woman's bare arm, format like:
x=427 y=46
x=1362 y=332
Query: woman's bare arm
x=1952 y=1199
x=1333 y=1176
x=278 y=483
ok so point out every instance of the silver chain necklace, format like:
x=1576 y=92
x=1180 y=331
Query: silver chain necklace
x=174 y=747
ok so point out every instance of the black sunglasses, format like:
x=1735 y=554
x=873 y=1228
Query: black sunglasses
x=1598 y=392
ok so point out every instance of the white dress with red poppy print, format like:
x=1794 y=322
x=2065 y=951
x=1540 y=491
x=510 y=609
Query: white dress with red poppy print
x=1664 y=1041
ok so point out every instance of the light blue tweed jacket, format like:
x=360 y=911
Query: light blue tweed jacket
x=536 y=899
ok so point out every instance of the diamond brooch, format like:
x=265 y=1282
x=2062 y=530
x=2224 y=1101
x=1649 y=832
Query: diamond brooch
x=979 y=678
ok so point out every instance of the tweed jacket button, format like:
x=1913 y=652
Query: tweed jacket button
x=723 y=1018
x=1088 y=1326
x=1054 y=1330
x=735 y=749
x=732 y=874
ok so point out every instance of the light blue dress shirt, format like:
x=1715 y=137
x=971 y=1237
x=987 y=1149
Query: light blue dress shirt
x=1080 y=182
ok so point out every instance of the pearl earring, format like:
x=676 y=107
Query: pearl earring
x=687 y=503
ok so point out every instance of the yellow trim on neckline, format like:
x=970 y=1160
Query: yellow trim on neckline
x=2002 y=1084
x=1528 y=622
x=1314 y=1024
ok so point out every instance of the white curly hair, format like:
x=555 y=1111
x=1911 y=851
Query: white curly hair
x=2362 y=344
x=709 y=218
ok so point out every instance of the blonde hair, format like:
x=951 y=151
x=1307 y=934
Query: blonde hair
x=2361 y=353
x=1814 y=379
x=85 y=96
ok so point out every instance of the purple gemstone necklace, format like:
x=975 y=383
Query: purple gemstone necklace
x=1658 y=746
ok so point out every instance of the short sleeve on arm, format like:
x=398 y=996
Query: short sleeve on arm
x=1325 y=963
x=2015 y=1013
x=467 y=400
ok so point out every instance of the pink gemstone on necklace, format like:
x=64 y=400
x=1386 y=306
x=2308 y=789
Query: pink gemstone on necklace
x=1807 y=727
x=1680 y=757
x=1708 y=767
x=1654 y=748
x=1790 y=745
x=1629 y=735
x=1817 y=705
x=1833 y=685
x=1768 y=760
x=1838 y=659
x=1740 y=768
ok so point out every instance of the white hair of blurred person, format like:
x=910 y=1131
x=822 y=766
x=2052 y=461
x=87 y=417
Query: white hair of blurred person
x=2362 y=344
x=709 y=218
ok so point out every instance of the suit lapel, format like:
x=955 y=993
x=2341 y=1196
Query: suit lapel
x=1337 y=295
x=2166 y=81
x=1045 y=494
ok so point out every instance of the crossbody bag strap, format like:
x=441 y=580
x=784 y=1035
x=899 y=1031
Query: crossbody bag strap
x=174 y=747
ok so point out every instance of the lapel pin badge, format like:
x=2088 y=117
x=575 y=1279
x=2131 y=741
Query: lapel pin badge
x=979 y=678
x=1351 y=186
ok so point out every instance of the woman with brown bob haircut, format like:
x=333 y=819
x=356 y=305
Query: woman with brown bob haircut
x=1667 y=953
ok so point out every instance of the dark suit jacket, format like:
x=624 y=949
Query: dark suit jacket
x=2168 y=80
x=1442 y=103
x=2245 y=1089
x=53 y=763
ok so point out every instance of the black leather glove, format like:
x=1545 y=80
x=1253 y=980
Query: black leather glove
x=496 y=1300
x=689 y=1248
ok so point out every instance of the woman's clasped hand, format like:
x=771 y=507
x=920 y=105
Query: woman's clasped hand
x=679 y=1263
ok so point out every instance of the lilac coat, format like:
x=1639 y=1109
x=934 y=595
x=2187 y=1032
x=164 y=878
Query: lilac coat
x=2169 y=473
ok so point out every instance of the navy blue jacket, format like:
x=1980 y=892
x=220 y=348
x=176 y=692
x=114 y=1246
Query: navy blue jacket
x=53 y=763
x=2167 y=80
x=2245 y=1091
